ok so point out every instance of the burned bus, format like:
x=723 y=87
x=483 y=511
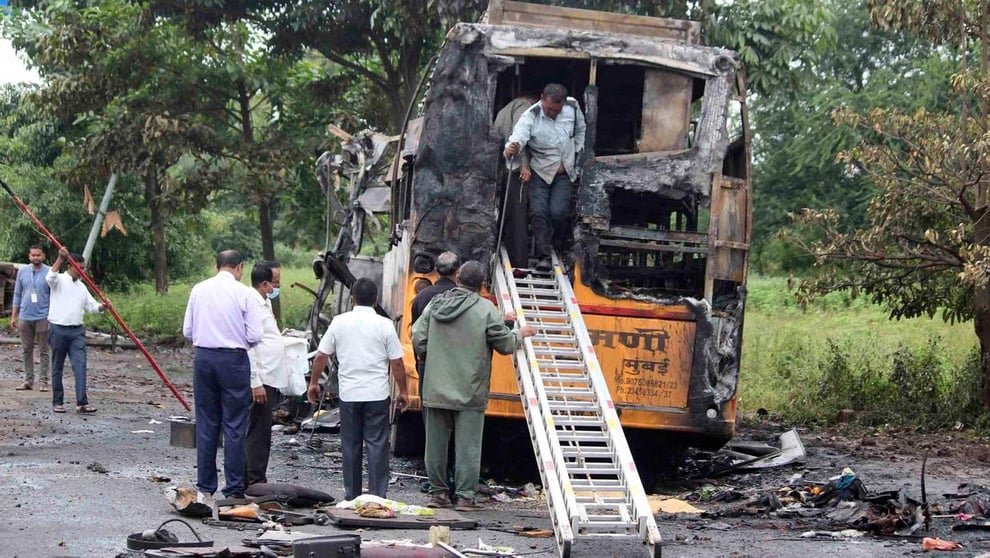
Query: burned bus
x=661 y=213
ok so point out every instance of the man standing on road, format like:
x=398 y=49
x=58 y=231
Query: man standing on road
x=268 y=373
x=223 y=320
x=552 y=131
x=456 y=335
x=367 y=350
x=29 y=316
x=70 y=299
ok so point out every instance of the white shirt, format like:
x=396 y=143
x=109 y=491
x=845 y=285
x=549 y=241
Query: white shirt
x=364 y=343
x=70 y=299
x=268 y=356
x=222 y=313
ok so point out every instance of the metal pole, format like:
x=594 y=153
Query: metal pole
x=104 y=205
x=103 y=298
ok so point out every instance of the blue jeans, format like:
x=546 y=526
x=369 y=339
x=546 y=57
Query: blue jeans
x=68 y=341
x=364 y=425
x=222 y=392
x=549 y=212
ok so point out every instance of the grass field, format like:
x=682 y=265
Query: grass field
x=844 y=353
x=806 y=364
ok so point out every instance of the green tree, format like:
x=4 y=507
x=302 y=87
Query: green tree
x=121 y=74
x=925 y=248
x=796 y=141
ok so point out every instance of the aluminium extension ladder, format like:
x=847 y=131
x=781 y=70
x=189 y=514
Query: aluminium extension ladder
x=590 y=480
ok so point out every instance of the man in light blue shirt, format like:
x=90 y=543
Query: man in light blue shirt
x=223 y=320
x=29 y=316
x=552 y=133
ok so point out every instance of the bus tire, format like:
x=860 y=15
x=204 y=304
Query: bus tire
x=408 y=437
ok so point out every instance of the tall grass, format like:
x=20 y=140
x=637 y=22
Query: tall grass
x=158 y=318
x=808 y=364
x=841 y=353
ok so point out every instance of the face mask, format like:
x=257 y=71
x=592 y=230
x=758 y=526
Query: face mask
x=274 y=294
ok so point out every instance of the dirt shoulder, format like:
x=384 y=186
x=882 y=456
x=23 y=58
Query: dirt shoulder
x=61 y=504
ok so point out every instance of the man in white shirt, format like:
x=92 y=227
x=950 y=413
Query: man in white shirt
x=367 y=350
x=552 y=133
x=268 y=373
x=70 y=299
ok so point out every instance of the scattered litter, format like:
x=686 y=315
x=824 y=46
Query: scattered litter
x=501 y=549
x=399 y=508
x=97 y=467
x=153 y=421
x=183 y=499
x=159 y=478
x=324 y=420
x=938 y=544
x=843 y=534
x=374 y=509
x=142 y=431
x=662 y=504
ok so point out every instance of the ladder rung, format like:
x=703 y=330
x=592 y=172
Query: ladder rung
x=552 y=338
x=538 y=292
x=559 y=365
x=573 y=378
x=572 y=406
x=572 y=436
x=593 y=471
x=558 y=351
x=566 y=420
x=598 y=484
x=555 y=391
x=604 y=500
x=531 y=281
x=551 y=327
x=577 y=453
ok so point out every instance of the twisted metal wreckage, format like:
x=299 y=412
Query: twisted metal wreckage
x=640 y=216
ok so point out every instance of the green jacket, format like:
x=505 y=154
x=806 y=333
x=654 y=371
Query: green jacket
x=455 y=337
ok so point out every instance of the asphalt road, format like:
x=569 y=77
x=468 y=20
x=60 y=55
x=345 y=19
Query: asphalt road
x=58 y=503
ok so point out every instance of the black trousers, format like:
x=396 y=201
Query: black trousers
x=258 y=442
x=364 y=425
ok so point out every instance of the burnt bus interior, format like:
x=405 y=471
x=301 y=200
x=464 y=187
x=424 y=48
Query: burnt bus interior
x=656 y=243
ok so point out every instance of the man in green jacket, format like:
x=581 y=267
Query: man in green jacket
x=455 y=335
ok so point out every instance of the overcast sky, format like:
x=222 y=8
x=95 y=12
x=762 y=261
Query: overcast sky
x=12 y=69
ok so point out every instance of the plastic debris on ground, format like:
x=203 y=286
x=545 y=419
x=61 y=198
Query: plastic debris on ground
x=324 y=420
x=929 y=543
x=398 y=508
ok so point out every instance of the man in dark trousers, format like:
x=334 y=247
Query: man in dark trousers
x=368 y=352
x=552 y=134
x=456 y=335
x=268 y=372
x=70 y=299
x=223 y=320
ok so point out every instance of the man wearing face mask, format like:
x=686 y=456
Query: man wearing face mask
x=268 y=373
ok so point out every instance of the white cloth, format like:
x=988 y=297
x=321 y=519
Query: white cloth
x=222 y=314
x=551 y=141
x=70 y=300
x=364 y=343
x=268 y=356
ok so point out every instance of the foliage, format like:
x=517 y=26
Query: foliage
x=797 y=142
x=840 y=354
x=159 y=318
x=34 y=163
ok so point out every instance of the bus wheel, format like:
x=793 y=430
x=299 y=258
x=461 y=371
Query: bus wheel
x=408 y=437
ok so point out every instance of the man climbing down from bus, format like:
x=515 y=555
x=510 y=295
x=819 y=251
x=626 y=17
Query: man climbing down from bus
x=552 y=133
x=455 y=336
